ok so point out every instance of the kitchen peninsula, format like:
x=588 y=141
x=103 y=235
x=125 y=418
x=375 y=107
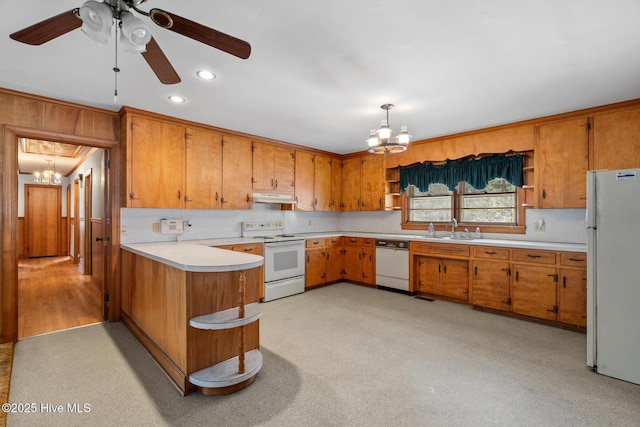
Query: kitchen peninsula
x=195 y=309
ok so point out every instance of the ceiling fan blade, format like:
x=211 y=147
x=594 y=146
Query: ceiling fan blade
x=201 y=33
x=159 y=63
x=49 y=29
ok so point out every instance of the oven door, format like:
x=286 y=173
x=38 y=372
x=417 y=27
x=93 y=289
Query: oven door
x=283 y=260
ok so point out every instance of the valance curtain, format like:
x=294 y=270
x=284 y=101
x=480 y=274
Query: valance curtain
x=477 y=173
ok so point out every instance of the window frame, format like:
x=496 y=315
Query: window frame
x=518 y=228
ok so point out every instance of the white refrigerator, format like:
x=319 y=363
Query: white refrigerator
x=613 y=273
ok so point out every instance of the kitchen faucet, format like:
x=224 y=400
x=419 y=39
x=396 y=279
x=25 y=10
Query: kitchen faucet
x=454 y=224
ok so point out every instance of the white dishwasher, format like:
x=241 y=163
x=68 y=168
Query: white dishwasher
x=392 y=264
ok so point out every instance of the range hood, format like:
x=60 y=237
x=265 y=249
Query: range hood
x=283 y=199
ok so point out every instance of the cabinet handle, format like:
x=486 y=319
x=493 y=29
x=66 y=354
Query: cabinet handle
x=555 y=277
x=131 y=197
x=576 y=259
x=544 y=193
x=445 y=269
x=98 y=239
x=475 y=271
x=508 y=270
x=216 y=196
x=315 y=242
x=179 y=194
x=276 y=183
x=489 y=253
x=248 y=198
x=248 y=249
x=533 y=256
x=307 y=258
x=564 y=282
x=517 y=276
x=272 y=183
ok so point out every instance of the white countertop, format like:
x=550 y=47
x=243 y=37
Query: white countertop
x=524 y=244
x=198 y=255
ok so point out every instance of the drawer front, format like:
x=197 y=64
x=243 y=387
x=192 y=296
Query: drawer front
x=315 y=243
x=368 y=242
x=250 y=248
x=535 y=256
x=452 y=249
x=334 y=241
x=575 y=259
x=490 y=252
x=352 y=241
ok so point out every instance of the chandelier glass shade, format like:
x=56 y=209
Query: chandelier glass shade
x=48 y=176
x=382 y=141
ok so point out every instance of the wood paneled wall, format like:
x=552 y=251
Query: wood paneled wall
x=30 y=116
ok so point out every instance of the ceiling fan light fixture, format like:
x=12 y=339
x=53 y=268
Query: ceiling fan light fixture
x=97 y=19
x=135 y=35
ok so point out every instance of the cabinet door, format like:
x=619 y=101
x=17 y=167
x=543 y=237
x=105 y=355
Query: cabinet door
x=322 y=184
x=156 y=164
x=368 y=265
x=616 y=138
x=351 y=178
x=315 y=269
x=284 y=169
x=455 y=279
x=304 y=180
x=561 y=162
x=572 y=297
x=353 y=263
x=534 y=291
x=490 y=281
x=335 y=263
x=263 y=167
x=203 y=155
x=236 y=173
x=429 y=270
x=336 y=185
x=373 y=180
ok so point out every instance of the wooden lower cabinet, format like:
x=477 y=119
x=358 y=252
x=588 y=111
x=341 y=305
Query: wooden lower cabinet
x=160 y=301
x=572 y=297
x=491 y=284
x=534 y=291
x=324 y=261
x=537 y=284
x=445 y=277
x=250 y=248
x=359 y=260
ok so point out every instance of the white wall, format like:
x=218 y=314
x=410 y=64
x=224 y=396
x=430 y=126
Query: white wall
x=561 y=225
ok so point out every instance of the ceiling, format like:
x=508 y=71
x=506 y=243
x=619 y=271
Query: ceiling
x=319 y=71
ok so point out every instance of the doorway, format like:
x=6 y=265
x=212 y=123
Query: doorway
x=54 y=291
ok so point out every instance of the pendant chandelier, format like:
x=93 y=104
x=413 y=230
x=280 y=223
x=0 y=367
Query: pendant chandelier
x=382 y=141
x=49 y=176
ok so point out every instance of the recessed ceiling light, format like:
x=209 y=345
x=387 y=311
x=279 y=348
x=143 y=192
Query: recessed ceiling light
x=206 y=75
x=177 y=99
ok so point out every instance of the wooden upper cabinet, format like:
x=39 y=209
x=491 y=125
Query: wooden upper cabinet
x=351 y=180
x=616 y=140
x=336 y=185
x=236 y=172
x=273 y=168
x=203 y=155
x=305 y=180
x=322 y=183
x=155 y=164
x=561 y=162
x=372 y=184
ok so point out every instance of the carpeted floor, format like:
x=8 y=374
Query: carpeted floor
x=341 y=355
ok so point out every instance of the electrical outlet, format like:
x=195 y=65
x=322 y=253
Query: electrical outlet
x=538 y=225
x=156 y=227
x=123 y=230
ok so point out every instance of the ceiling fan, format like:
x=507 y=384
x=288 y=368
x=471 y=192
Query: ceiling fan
x=96 y=19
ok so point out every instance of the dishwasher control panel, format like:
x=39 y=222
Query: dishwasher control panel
x=392 y=244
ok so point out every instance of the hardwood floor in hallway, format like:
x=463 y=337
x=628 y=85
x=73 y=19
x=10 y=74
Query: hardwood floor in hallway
x=53 y=295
